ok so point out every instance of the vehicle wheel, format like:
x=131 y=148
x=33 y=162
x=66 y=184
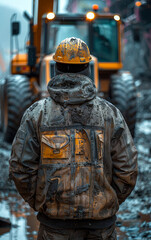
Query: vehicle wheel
x=118 y=94
x=123 y=96
x=17 y=98
x=131 y=104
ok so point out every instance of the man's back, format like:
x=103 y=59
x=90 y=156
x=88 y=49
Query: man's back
x=77 y=136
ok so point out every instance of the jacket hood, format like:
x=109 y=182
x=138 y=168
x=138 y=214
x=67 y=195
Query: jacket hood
x=71 y=88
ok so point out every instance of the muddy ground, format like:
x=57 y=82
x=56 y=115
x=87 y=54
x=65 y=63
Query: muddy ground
x=134 y=216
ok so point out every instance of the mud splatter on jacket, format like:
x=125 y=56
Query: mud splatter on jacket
x=73 y=156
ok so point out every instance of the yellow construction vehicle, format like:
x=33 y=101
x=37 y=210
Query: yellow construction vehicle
x=21 y=87
x=31 y=71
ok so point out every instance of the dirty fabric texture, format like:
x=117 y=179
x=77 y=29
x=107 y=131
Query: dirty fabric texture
x=69 y=89
x=73 y=156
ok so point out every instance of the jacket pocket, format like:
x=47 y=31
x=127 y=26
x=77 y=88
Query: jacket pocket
x=54 y=146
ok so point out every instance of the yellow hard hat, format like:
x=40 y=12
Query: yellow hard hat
x=72 y=51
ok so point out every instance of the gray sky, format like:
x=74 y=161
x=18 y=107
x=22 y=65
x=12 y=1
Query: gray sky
x=21 y=5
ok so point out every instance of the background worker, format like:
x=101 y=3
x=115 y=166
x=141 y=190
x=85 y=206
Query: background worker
x=73 y=158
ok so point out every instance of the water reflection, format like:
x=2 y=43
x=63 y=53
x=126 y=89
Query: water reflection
x=24 y=224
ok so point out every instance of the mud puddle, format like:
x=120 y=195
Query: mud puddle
x=134 y=216
x=24 y=224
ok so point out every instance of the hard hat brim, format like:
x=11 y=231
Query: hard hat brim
x=82 y=60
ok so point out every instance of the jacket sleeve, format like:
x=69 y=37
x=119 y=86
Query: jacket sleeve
x=124 y=162
x=24 y=159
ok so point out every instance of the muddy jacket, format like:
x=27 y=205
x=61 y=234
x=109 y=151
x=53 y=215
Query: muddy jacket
x=73 y=156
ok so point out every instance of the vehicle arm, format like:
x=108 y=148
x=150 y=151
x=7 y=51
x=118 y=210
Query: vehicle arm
x=124 y=161
x=24 y=159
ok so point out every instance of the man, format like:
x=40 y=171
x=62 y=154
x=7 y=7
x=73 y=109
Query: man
x=73 y=158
